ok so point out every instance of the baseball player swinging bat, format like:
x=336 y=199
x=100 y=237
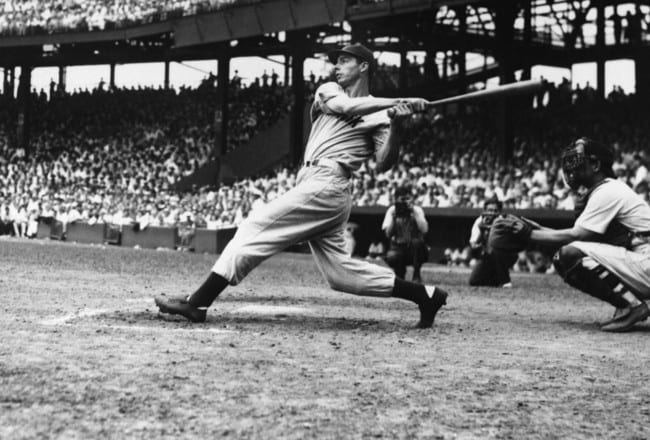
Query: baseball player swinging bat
x=518 y=88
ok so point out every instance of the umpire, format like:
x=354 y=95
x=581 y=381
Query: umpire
x=405 y=225
x=491 y=268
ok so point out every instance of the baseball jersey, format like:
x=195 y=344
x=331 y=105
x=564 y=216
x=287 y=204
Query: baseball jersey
x=614 y=200
x=349 y=140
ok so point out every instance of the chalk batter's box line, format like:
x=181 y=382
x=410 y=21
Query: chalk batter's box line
x=64 y=320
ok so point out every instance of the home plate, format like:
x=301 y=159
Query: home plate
x=256 y=309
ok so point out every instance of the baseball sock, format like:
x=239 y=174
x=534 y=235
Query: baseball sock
x=209 y=290
x=410 y=291
x=423 y=296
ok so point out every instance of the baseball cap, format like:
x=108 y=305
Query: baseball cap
x=356 y=50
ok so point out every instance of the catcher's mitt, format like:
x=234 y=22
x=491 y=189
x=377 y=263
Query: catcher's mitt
x=509 y=234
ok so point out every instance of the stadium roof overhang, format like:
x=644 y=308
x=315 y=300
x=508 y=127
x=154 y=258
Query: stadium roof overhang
x=254 y=29
x=247 y=20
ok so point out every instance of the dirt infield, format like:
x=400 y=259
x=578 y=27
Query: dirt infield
x=84 y=355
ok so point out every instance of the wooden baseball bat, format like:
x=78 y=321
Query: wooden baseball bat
x=518 y=88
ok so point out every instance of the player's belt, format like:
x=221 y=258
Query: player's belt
x=328 y=163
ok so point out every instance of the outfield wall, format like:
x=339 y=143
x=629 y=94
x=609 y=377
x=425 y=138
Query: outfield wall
x=448 y=228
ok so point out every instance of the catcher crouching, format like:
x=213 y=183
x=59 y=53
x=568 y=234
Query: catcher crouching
x=606 y=253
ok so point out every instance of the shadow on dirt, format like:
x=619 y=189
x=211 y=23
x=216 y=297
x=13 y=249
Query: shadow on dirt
x=595 y=326
x=291 y=323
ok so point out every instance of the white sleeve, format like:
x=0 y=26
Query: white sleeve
x=326 y=92
x=475 y=235
x=420 y=219
x=602 y=207
x=388 y=219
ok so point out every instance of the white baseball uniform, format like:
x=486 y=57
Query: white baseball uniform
x=614 y=200
x=319 y=206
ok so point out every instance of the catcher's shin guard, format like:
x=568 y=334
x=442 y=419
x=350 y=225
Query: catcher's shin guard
x=585 y=274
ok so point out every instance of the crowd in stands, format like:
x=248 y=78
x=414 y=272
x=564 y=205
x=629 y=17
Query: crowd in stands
x=113 y=156
x=26 y=17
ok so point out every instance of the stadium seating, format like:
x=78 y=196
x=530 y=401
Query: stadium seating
x=113 y=156
x=39 y=17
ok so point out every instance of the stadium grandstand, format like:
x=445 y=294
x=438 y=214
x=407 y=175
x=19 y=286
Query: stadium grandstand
x=204 y=157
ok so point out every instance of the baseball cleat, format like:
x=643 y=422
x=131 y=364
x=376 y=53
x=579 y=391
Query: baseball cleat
x=626 y=322
x=180 y=306
x=619 y=314
x=429 y=310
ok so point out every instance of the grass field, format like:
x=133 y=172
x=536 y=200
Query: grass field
x=84 y=355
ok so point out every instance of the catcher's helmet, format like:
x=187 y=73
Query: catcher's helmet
x=579 y=154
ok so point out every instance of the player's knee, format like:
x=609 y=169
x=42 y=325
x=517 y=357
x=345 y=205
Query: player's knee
x=567 y=258
x=340 y=285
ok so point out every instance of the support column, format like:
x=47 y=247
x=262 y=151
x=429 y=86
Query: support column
x=505 y=15
x=431 y=67
x=166 y=80
x=528 y=37
x=642 y=76
x=23 y=117
x=287 y=69
x=13 y=81
x=298 y=55
x=111 y=80
x=431 y=72
x=63 y=79
x=221 y=120
x=462 y=53
x=357 y=34
x=600 y=49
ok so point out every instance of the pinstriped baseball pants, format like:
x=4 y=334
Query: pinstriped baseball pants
x=315 y=210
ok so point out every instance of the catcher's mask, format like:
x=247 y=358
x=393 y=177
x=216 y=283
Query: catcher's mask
x=579 y=156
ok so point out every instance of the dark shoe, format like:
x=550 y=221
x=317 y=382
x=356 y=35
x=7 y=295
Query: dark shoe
x=429 y=310
x=626 y=322
x=179 y=306
x=617 y=316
